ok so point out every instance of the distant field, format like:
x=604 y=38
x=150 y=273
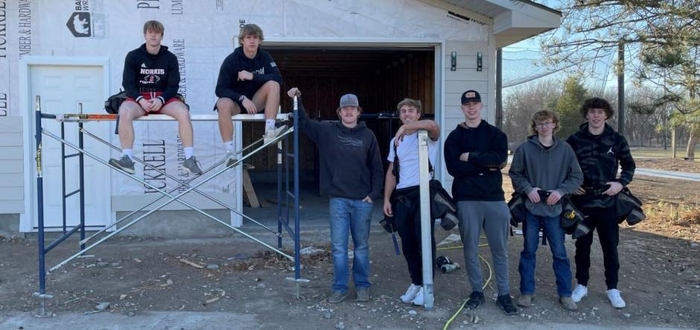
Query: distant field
x=658 y=153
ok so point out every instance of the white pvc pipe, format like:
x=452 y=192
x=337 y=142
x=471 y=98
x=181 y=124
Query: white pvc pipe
x=425 y=228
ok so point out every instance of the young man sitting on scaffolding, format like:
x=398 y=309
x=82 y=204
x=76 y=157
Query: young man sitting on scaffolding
x=151 y=79
x=248 y=79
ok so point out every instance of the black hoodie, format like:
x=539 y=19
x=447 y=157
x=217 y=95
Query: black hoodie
x=262 y=66
x=480 y=178
x=144 y=73
x=600 y=156
x=351 y=166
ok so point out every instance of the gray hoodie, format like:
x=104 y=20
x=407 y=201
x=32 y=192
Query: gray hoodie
x=554 y=168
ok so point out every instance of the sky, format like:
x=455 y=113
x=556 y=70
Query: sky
x=519 y=64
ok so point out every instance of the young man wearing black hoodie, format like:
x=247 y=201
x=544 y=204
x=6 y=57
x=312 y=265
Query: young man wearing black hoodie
x=475 y=152
x=601 y=152
x=249 y=81
x=151 y=80
x=351 y=175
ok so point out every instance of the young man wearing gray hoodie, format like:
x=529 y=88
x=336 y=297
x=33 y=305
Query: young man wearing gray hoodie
x=545 y=169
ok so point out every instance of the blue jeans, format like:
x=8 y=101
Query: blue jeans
x=353 y=216
x=554 y=233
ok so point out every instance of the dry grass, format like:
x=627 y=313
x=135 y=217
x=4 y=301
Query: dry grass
x=672 y=219
x=669 y=164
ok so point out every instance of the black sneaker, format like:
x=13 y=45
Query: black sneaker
x=475 y=300
x=506 y=304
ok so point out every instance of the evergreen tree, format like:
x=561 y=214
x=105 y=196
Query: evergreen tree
x=568 y=105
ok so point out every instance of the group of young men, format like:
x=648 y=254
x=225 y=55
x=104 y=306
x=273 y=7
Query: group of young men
x=249 y=81
x=545 y=169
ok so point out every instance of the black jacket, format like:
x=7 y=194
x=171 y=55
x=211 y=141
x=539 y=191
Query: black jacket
x=600 y=157
x=262 y=66
x=144 y=72
x=351 y=166
x=480 y=178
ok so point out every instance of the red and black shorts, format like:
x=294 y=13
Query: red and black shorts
x=152 y=95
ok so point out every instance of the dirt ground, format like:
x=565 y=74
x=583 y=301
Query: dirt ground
x=659 y=276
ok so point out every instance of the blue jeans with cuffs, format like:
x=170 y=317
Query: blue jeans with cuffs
x=554 y=234
x=350 y=216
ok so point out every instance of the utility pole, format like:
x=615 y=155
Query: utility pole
x=499 y=89
x=621 y=87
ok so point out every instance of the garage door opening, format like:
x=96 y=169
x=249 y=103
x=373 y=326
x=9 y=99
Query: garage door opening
x=379 y=77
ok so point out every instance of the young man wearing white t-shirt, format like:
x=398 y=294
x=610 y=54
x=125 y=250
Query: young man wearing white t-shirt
x=401 y=196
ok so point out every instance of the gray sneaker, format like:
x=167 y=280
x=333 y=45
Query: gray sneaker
x=362 y=295
x=337 y=297
x=525 y=300
x=125 y=164
x=190 y=165
x=568 y=303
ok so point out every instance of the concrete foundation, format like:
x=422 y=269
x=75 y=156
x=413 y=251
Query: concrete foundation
x=9 y=225
x=178 y=224
x=167 y=224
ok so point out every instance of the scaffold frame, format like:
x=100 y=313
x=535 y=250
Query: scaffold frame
x=284 y=158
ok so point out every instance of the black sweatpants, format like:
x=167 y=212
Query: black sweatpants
x=603 y=220
x=406 y=210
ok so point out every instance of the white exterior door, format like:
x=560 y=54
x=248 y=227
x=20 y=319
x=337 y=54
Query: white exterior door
x=62 y=88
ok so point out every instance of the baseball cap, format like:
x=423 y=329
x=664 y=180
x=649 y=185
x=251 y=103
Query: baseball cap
x=471 y=96
x=349 y=100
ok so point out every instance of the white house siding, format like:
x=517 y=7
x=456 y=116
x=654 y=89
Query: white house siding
x=466 y=77
x=201 y=35
x=11 y=166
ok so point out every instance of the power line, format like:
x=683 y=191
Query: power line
x=533 y=77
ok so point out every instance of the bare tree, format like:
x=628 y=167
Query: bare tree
x=664 y=36
x=522 y=101
x=647 y=125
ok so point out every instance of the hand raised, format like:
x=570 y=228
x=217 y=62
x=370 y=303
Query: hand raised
x=294 y=92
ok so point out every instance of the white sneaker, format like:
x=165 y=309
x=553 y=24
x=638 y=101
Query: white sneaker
x=411 y=293
x=579 y=292
x=230 y=159
x=419 y=300
x=615 y=298
x=273 y=133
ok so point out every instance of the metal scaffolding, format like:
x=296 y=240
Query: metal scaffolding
x=284 y=157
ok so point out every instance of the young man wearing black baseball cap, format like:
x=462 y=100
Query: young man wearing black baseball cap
x=474 y=153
